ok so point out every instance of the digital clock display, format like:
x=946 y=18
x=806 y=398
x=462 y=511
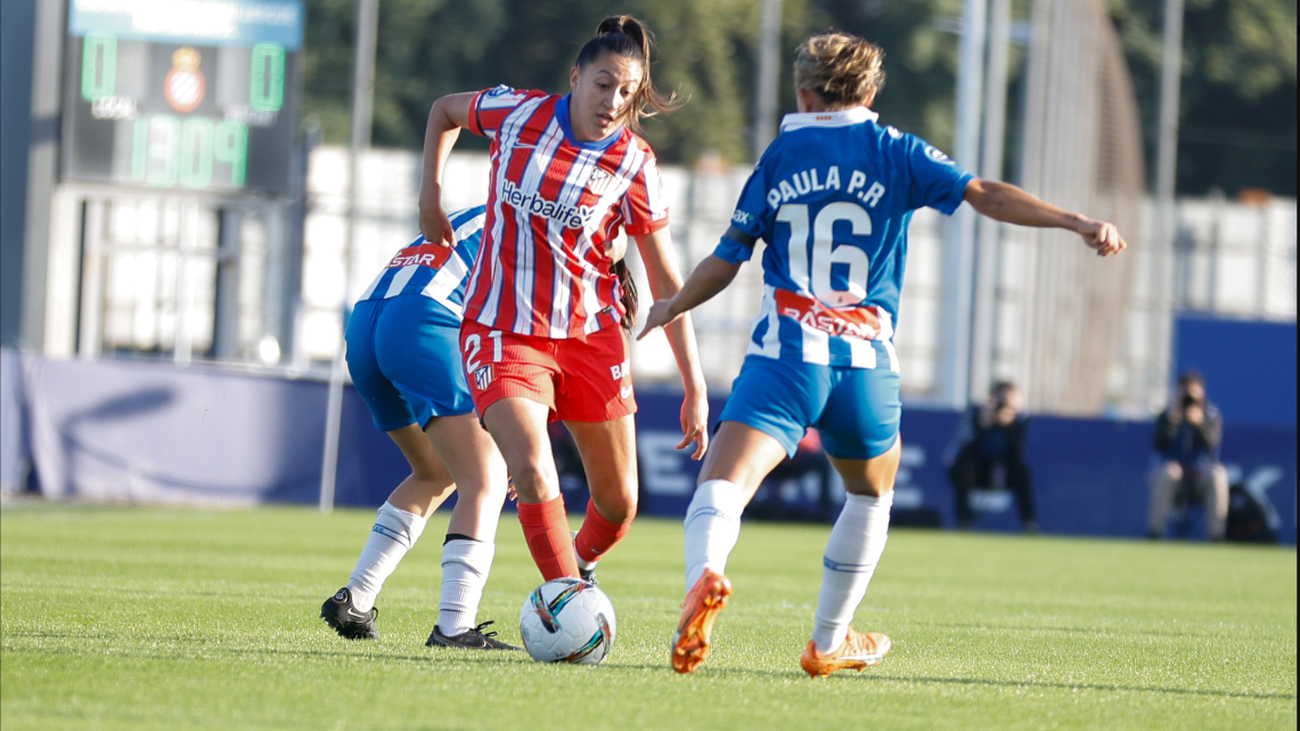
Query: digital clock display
x=187 y=94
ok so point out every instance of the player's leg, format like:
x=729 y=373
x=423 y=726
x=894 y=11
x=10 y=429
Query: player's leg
x=397 y=525
x=739 y=457
x=518 y=426
x=467 y=552
x=1164 y=485
x=766 y=415
x=608 y=452
x=594 y=399
x=511 y=378
x=860 y=433
x=1213 y=485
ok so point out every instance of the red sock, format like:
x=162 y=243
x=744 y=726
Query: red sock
x=547 y=533
x=599 y=534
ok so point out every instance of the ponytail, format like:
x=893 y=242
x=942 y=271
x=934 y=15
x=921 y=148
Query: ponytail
x=628 y=297
x=626 y=36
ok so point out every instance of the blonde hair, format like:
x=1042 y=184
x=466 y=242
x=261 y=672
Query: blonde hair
x=843 y=69
x=626 y=36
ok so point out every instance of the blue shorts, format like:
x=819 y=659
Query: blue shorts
x=856 y=410
x=404 y=356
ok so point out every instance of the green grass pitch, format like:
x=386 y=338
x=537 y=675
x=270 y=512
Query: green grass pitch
x=133 y=618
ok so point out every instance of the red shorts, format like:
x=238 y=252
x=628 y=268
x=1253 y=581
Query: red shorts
x=579 y=379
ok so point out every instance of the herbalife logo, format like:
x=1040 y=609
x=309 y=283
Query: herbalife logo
x=534 y=203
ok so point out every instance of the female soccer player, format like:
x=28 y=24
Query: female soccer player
x=832 y=197
x=402 y=345
x=541 y=339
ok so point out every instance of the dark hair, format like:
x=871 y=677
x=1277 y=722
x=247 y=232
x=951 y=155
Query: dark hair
x=623 y=35
x=1191 y=376
x=629 y=296
x=1002 y=386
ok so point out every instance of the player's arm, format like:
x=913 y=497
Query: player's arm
x=448 y=115
x=1009 y=204
x=710 y=277
x=665 y=283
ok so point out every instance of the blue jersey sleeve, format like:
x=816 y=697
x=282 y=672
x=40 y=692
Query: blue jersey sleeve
x=751 y=220
x=937 y=181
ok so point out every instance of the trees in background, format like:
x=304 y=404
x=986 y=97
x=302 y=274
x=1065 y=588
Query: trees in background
x=1238 y=92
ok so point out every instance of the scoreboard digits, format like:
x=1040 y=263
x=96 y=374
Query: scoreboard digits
x=176 y=106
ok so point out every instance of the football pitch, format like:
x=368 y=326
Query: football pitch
x=143 y=618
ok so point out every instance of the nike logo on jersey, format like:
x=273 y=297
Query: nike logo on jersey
x=625 y=391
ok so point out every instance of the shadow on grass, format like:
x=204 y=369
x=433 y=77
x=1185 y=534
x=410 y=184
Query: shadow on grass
x=1117 y=630
x=440 y=657
x=365 y=650
x=876 y=678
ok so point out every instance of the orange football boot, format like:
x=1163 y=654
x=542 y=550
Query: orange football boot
x=701 y=607
x=859 y=650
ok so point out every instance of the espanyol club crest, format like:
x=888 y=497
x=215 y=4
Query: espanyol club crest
x=599 y=181
x=937 y=155
x=184 y=85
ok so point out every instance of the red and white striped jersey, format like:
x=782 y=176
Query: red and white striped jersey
x=554 y=211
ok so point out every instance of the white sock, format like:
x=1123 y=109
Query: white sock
x=712 y=527
x=852 y=552
x=394 y=533
x=583 y=565
x=465 y=567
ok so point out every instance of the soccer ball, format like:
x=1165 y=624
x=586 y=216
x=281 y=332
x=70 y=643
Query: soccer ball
x=567 y=620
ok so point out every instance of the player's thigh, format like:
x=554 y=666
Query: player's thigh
x=771 y=405
x=862 y=414
x=501 y=365
x=595 y=377
x=387 y=406
x=426 y=463
x=741 y=455
x=777 y=397
x=608 y=451
x=469 y=453
x=874 y=476
x=518 y=426
x=416 y=346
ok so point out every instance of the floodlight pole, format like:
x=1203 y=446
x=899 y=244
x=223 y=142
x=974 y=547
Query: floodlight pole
x=958 y=250
x=768 y=79
x=363 y=99
x=1166 y=170
x=987 y=246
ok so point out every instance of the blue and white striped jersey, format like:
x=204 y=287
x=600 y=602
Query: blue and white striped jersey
x=833 y=196
x=434 y=270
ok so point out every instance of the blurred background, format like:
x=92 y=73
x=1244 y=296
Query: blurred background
x=194 y=193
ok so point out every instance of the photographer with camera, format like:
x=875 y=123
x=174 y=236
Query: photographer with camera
x=991 y=454
x=1187 y=440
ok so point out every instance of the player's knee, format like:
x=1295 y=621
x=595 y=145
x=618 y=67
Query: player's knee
x=618 y=508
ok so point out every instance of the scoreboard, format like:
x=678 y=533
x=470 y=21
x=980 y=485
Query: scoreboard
x=183 y=94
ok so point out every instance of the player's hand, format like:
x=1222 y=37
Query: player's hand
x=658 y=316
x=695 y=423
x=1102 y=237
x=435 y=226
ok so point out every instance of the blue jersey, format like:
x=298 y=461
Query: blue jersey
x=833 y=196
x=434 y=270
